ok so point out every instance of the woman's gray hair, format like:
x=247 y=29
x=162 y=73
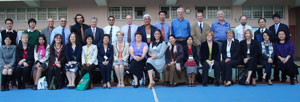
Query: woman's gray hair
x=147 y=15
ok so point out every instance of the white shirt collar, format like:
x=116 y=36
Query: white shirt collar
x=278 y=24
x=93 y=28
x=9 y=30
x=200 y=23
x=31 y=30
x=232 y=40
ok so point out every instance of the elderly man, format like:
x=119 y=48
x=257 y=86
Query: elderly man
x=180 y=27
x=48 y=30
x=147 y=29
x=96 y=32
x=240 y=29
x=219 y=28
x=129 y=30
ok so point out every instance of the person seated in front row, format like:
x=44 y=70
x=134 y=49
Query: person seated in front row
x=230 y=56
x=173 y=72
x=249 y=53
x=41 y=59
x=191 y=61
x=210 y=58
x=56 y=62
x=285 y=53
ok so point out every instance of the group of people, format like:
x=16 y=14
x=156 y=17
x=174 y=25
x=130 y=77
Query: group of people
x=174 y=51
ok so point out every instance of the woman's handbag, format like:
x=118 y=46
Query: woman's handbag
x=84 y=82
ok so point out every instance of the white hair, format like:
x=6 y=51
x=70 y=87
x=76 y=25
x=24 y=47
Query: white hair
x=94 y=18
x=220 y=12
x=180 y=8
x=147 y=15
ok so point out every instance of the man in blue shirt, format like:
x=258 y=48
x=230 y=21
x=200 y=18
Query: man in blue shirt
x=180 y=28
x=219 y=28
x=163 y=26
x=62 y=30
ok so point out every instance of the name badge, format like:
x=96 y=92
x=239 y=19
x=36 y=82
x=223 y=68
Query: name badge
x=191 y=57
x=154 y=47
x=148 y=36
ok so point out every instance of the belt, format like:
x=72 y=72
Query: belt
x=181 y=39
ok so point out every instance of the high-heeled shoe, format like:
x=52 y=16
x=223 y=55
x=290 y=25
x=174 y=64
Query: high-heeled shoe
x=270 y=82
x=135 y=86
x=104 y=85
x=151 y=85
x=228 y=84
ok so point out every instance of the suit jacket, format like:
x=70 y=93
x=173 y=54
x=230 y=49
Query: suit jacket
x=204 y=52
x=61 y=58
x=180 y=54
x=234 y=50
x=125 y=53
x=77 y=29
x=142 y=29
x=93 y=52
x=253 y=49
x=197 y=34
x=283 y=27
x=29 y=53
x=98 y=35
x=258 y=33
x=70 y=53
x=109 y=53
x=194 y=53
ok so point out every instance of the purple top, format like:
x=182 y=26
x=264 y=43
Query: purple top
x=284 y=49
x=138 y=51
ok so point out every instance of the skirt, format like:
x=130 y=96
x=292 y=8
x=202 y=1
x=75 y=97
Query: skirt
x=172 y=75
x=137 y=68
x=191 y=69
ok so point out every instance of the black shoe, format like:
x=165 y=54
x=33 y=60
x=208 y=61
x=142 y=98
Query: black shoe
x=34 y=87
x=205 y=84
x=217 y=84
x=135 y=86
x=292 y=81
x=193 y=85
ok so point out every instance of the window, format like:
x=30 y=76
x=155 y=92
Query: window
x=40 y=14
x=167 y=10
x=2 y=14
x=247 y=11
x=31 y=13
x=210 y=12
x=200 y=9
x=262 y=11
x=62 y=12
x=11 y=13
x=21 y=14
x=122 y=12
x=126 y=11
x=52 y=13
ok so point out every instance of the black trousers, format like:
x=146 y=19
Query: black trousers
x=106 y=72
x=251 y=66
x=226 y=69
x=289 y=68
x=205 y=69
x=22 y=75
x=277 y=69
x=57 y=72
x=90 y=69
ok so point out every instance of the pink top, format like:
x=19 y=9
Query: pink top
x=41 y=51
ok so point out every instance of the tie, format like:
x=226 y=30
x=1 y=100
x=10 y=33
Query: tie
x=162 y=30
x=82 y=33
x=63 y=35
x=94 y=33
x=201 y=27
x=110 y=32
x=261 y=31
x=276 y=27
x=129 y=34
x=243 y=32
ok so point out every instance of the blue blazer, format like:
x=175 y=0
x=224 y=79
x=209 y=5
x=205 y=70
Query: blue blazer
x=98 y=36
x=73 y=55
x=109 y=53
x=143 y=31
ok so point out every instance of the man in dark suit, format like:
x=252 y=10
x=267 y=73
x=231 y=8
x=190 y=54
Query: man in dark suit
x=274 y=29
x=96 y=32
x=279 y=26
x=79 y=28
x=147 y=29
x=258 y=36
